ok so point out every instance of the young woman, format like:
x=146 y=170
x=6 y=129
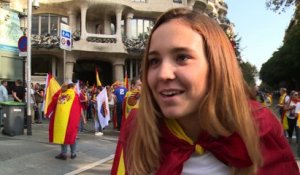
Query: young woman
x=196 y=114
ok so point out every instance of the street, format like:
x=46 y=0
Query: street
x=34 y=155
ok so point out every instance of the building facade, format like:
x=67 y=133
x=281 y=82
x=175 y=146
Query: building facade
x=107 y=34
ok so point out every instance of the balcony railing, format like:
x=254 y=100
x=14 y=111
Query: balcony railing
x=45 y=41
x=97 y=38
x=136 y=45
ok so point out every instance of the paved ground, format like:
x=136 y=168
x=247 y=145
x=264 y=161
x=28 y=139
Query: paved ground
x=33 y=155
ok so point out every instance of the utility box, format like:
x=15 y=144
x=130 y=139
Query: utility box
x=13 y=118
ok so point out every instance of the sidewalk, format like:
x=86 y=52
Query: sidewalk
x=34 y=155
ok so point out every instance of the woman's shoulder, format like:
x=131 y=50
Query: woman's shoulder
x=277 y=154
x=129 y=125
x=262 y=115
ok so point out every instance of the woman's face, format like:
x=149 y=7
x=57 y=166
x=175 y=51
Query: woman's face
x=178 y=69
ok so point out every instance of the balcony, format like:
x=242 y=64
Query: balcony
x=45 y=41
x=224 y=22
x=101 y=38
x=98 y=43
x=222 y=7
x=210 y=5
x=200 y=5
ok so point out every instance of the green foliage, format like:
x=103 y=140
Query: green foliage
x=249 y=72
x=284 y=65
x=279 y=5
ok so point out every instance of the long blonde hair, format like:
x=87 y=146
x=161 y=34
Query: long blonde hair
x=225 y=106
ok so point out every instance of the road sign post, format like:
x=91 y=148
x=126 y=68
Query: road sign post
x=65 y=37
x=65 y=43
x=22 y=45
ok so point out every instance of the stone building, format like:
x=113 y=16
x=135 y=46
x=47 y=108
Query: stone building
x=107 y=34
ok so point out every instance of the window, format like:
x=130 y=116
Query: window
x=44 y=24
x=177 y=1
x=139 y=26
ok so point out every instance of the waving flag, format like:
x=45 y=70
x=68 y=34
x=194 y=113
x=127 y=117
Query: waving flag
x=97 y=78
x=126 y=81
x=52 y=87
x=103 y=110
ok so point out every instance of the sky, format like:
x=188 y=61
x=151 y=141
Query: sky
x=261 y=30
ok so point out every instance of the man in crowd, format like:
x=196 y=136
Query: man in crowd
x=3 y=91
x=18 y=92
x=120 y=93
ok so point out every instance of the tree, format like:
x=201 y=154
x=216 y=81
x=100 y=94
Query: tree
x=249 y=72
x=280 y=5
x=284 y=65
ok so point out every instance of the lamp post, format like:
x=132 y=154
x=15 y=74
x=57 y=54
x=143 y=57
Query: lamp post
x=28 y=67
x=27 y=24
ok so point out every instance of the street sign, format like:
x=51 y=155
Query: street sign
x=22 y=44
x=65 y=37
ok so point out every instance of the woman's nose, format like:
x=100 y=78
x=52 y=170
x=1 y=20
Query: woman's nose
x=166 y=71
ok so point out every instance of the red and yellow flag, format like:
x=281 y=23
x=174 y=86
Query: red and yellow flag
x=126 y=81
x=97 y=78
x=52 y=87
x=63 y=125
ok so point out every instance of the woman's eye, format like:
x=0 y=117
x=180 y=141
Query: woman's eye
x=182 y=57
x=153 y=61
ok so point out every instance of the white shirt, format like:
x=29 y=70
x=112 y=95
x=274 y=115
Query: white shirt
x=3 y=94
x=205 y=164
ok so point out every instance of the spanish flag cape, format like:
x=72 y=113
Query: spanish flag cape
x=131 y=101
x=64 y=122
x=176 y=148
x=284 y=120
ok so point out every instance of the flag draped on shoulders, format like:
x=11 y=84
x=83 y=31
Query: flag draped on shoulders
x=176 y=148
x=118 y=167
x=102 y=107
x=52 y=87
x=64 y=123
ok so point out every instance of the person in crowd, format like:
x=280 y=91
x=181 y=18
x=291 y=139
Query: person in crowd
x=132 y=98
x=3 y=91
x=42 y=93
x=3 y=96
x=98 y=128
x=111 y=100
x=89 y=110
x=196 y=114
x=292 y=116
x=39 y=98
x=120 y=92
x=84 y=104
x=18 y=91
x=64 y=123
x=269 y=99
x=284 y=100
